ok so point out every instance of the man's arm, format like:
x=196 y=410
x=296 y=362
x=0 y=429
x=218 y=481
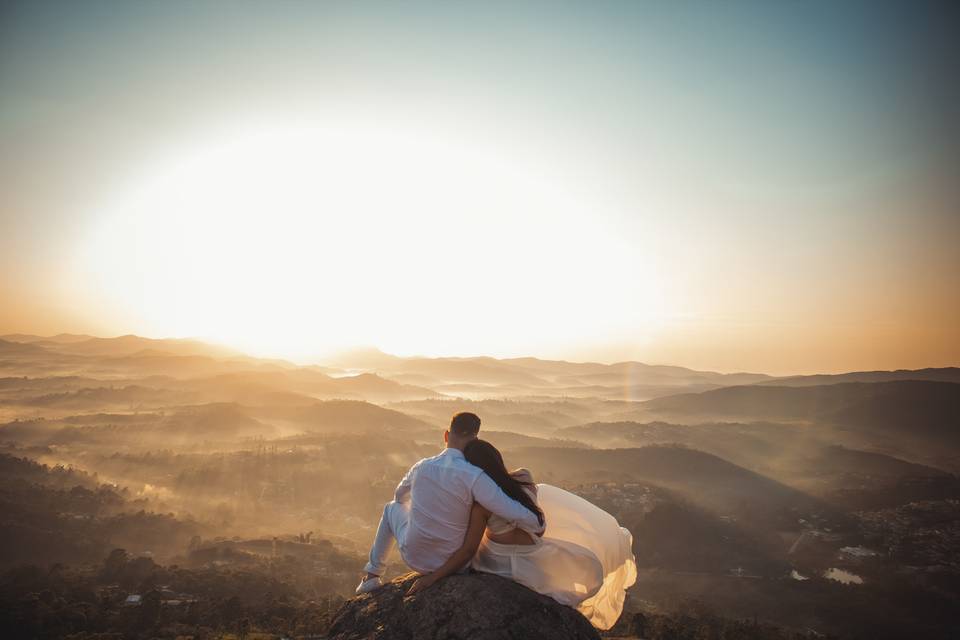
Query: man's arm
x=492 y=498
x=403 y=489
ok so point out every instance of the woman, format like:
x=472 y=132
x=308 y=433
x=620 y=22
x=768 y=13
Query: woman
x=583 y=560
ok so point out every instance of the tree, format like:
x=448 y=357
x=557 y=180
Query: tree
x=230 y=611
x=114 y=565
x=149 y=610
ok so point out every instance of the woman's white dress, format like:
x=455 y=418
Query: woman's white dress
x=585 y=558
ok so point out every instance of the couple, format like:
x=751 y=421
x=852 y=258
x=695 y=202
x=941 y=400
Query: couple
x=463 y=509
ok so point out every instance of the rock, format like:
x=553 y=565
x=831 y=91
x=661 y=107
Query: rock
x=469 y=606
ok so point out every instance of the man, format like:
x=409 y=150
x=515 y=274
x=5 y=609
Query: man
x=431 y=507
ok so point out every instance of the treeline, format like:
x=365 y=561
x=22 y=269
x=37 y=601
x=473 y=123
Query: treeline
x=56 y=514
x=167 y=602
x=13 y=468
x=704 y=625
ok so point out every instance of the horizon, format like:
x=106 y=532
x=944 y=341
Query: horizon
x=330 y=358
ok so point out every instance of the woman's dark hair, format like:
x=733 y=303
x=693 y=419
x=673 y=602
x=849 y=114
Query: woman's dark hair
x=482 y=454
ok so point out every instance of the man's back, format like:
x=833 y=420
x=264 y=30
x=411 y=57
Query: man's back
x=439 y=491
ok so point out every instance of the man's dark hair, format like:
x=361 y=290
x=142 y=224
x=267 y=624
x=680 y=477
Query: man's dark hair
x=465 y=424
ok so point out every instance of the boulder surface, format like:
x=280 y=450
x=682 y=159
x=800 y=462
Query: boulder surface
x=462 y=607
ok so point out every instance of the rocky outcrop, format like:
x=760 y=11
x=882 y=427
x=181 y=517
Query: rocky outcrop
x=461 y=607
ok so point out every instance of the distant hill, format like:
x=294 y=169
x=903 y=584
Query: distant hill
x=301 y=387
x=943 y=374
x=349 y=416
x=540 y=417
x=630 y=371
x=60 y=338
x=34 y=360
x=476 y=370
x=483 y=370
x=214 y=421
x=932 y=408
x=798 y=455
x=104 y=396
x=221 y=375
x=509 y=440
x=8 y=347
x=19 y=359
x=164 y=365
x=486 y=376
x=754 y=402
x=700 y=477
x=184 y=426
x=123 y=345
x=918 y=408
x=743 y=444
x=374 y=387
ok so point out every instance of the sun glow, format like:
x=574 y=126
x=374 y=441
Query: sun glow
x=300 y=239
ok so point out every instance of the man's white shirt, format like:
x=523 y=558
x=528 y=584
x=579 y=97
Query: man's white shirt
x=439 y=492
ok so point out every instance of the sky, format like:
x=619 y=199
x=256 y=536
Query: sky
x=765 y=186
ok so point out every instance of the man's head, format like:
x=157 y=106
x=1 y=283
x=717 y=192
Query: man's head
x=464 y=427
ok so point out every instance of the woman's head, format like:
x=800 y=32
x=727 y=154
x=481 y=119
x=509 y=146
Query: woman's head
x=481 y=453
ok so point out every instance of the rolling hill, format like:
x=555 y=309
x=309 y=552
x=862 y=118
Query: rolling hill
x=942 y=374
x=492 y=377
x=931 y=407
x=700 y=477
x=347 y=416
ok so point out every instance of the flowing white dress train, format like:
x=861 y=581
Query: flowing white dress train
x=585 y=558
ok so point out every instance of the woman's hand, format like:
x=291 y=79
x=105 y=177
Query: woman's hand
x=421 y=583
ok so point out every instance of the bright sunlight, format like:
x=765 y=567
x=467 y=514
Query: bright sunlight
x=300 y=239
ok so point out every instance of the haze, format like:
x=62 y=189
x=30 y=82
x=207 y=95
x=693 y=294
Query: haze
x=736 y=187
x=192 y=476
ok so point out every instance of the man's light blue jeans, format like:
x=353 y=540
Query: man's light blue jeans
x=392 y=528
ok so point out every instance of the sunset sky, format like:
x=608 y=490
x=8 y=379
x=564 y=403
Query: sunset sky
x=725 y=185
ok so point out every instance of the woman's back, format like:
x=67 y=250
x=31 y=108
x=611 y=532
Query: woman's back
x=503 y=531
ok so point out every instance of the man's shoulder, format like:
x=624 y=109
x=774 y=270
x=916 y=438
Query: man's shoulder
x=429 y=462
x=445 y=460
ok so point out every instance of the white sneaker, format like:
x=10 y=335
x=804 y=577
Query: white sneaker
x=369 y=584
